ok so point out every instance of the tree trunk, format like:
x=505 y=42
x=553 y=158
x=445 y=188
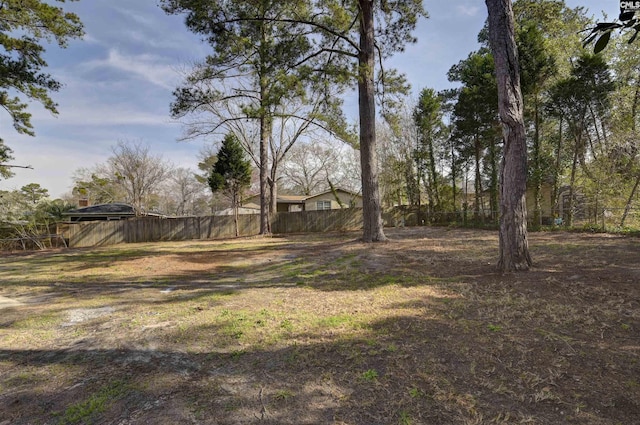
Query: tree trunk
x=493 y=188
x=265 y=130
x=453 y=180
x=434 y=176
x=372 y=210
x=514 y=245
x=273 y=194
x=428 y=184
x=477 y=185
x=236 y=207
x=572 y=182
x=627 y=206
x=419 y=178
x=537 y=167
x=265 y=134
x=556 y=174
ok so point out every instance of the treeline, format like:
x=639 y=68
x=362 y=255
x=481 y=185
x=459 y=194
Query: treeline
x=581 y=115
x=440 y=151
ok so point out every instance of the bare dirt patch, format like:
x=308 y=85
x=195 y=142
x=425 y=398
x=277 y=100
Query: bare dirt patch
x=322 y=329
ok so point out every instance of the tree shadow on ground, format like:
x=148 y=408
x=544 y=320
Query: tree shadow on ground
x=406 y=368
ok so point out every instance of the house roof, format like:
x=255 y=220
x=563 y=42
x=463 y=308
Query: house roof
x=331 y=191
x=292 y=199
x=103 y=209
x=301 y=199
x=112 y=210
x=251 y=206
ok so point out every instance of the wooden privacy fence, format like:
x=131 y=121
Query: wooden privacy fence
x=152 y=229
x=318 y=221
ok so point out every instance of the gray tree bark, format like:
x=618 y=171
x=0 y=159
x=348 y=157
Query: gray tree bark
x=265 y=131
x=514 y=246
x=371 y=206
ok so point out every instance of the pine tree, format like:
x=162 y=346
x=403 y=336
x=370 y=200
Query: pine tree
x=514 y=245
x=231 y=174
x=24 y=28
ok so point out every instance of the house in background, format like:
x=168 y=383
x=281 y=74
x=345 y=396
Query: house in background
x=328 y=200
x=249 y=208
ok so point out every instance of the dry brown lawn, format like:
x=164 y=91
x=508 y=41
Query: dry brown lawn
x=322 y=329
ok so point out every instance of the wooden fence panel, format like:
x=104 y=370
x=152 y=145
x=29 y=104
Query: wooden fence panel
x=152 y=229
x=318 y=221
x=248 y=225
x=216 y=227
x=96 y=233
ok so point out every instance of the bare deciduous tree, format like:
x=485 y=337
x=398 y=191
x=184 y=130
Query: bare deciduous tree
x=138 y=172
x=184 y=194
x=310 y=166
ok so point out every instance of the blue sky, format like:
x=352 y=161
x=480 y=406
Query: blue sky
x=118 y=82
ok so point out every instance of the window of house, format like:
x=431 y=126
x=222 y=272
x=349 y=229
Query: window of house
x=323 y=205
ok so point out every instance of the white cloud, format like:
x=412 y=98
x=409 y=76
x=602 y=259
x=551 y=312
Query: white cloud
x=468 y=10
x=149 y=31
x=139 y=18
x=148 y=67
x=90 y=39
x=82 y=112
x=53 y=165
x=107 y=115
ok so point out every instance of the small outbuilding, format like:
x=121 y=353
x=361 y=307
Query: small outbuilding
x=101 y=212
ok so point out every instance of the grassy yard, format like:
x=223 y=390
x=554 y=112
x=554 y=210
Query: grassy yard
x=322 y=329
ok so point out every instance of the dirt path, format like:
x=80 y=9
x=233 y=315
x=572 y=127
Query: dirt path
x=8 y=302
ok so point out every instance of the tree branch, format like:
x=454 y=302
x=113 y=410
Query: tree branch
x=17 y=166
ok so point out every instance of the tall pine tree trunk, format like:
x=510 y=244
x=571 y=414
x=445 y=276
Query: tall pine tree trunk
x=372 y=209
x=265 y=131
x=453 y=180
x=493 y=182
x=572 y=182
x=236 y=207
x=265 y=135
x=273 y=194
x=434 y=176
x=514 y=245
x=478 y=185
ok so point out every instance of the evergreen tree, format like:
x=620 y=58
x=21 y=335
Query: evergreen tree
x=475 y=123
x=33 y=193
x=24 y=28
x=428 y=119
x=582 y=101
x=537 y=66
x=231 y=174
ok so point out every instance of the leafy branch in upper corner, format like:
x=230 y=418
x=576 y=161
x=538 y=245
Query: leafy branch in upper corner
x=600 y=35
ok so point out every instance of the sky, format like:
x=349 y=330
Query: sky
x=118 y=83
